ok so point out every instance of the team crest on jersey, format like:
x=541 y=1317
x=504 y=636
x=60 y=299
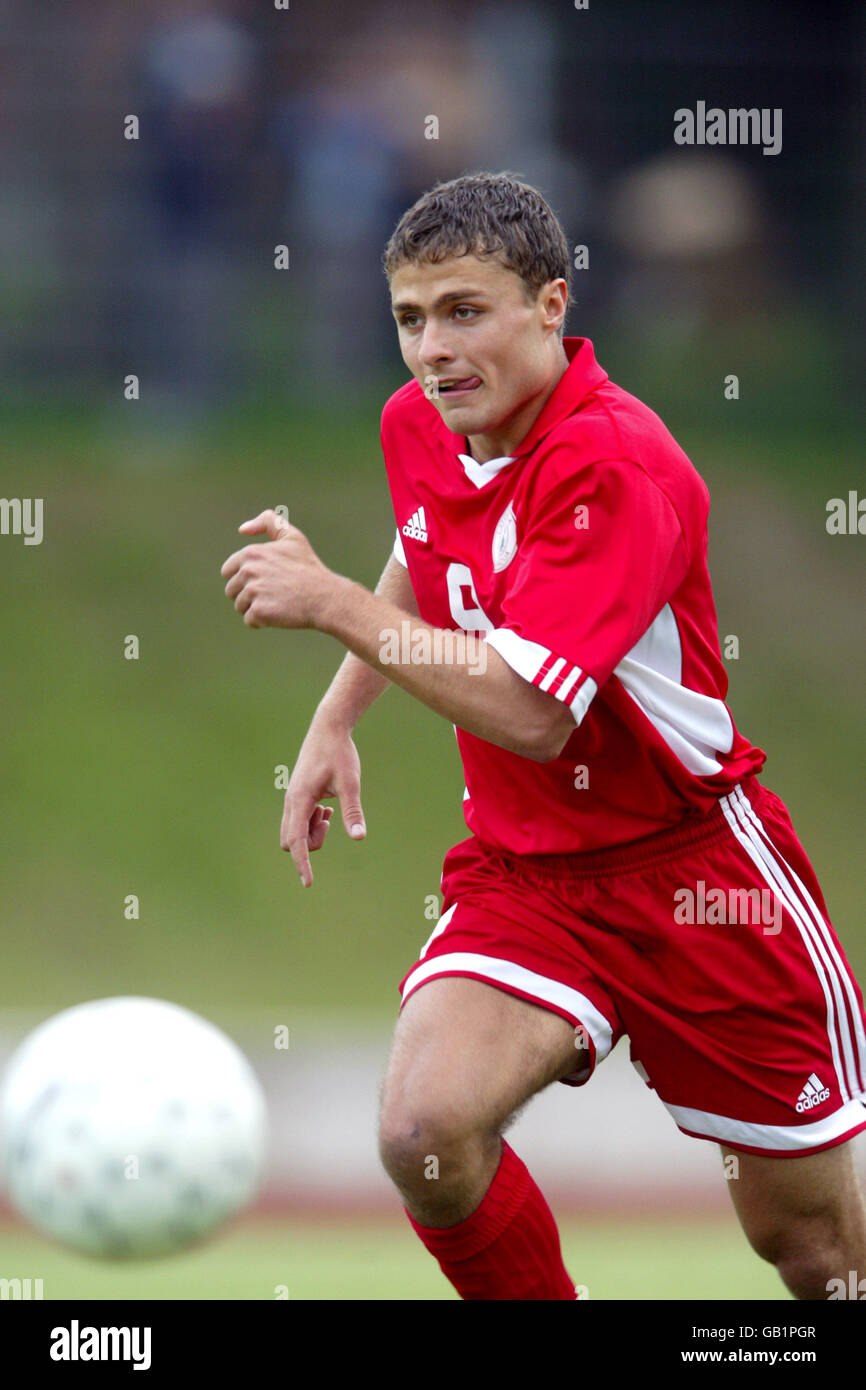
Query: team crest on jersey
x=505 y=540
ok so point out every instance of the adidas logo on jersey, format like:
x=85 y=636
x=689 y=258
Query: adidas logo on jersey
x=416 y=526
x=813 y=1093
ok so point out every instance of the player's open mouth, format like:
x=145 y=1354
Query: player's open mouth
x=459 y=388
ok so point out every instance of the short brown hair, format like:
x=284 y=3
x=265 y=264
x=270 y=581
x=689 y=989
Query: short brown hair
x=483 y=215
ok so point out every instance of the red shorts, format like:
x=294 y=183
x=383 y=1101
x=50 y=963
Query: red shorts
x=708 y=944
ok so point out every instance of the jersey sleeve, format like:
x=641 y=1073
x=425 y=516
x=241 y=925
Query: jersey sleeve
x=602 y=553
x=399 y=552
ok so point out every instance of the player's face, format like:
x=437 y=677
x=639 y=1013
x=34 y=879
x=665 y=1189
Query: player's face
x=486 y=356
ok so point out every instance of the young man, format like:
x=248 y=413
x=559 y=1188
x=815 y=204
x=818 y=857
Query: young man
x=626 y=871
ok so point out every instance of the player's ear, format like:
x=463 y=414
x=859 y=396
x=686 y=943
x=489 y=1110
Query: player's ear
x=554 y=302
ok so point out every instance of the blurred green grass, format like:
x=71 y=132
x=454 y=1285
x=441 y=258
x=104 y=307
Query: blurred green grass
x=156 y=777
x=369 y=1260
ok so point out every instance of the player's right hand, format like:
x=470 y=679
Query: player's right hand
x=327 y=765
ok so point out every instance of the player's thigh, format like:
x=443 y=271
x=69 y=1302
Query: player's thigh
x=466 y=1055
x=786 y=1202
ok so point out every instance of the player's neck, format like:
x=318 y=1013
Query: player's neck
x=503 y=442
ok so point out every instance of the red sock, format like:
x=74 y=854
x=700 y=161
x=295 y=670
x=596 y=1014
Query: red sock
x=509 y=1247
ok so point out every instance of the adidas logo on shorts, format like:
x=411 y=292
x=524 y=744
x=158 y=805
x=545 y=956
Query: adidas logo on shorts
x=813 y=1093
x=416 y=526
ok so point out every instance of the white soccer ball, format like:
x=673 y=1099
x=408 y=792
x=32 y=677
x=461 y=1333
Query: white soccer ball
x=130 y=1127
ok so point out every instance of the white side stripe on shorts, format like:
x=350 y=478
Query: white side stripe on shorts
x=748 y=830
x=438 y=929
x=505 y=972
x=771 y=1137
x=858 y=1076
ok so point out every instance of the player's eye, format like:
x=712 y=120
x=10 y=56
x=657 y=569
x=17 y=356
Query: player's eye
x=467 y=308
x=405 y=320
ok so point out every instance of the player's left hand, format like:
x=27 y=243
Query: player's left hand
x=277 y=584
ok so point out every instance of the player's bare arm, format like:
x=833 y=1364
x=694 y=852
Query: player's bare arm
x=328 y=763
x=356 y=685
x=285 y=584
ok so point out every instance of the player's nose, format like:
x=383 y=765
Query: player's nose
x=434 y=346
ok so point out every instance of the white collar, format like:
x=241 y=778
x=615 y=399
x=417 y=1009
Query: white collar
x=482 y=473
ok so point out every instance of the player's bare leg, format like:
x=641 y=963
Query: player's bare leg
x=804 y=1215
x=465 y=1057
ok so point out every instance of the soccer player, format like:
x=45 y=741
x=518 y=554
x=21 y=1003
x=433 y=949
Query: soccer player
x=626 y=871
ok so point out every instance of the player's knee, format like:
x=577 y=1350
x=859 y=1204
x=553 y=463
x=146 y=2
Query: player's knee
x=810 y=1273
x=807 y=1252
x=417 y=1145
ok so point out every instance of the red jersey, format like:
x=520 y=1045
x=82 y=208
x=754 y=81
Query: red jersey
x=583 y=558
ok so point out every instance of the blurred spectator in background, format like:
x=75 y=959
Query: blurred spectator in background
x=691 y=226
x=198 y=70
x=358 y=146
x=341 y=164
